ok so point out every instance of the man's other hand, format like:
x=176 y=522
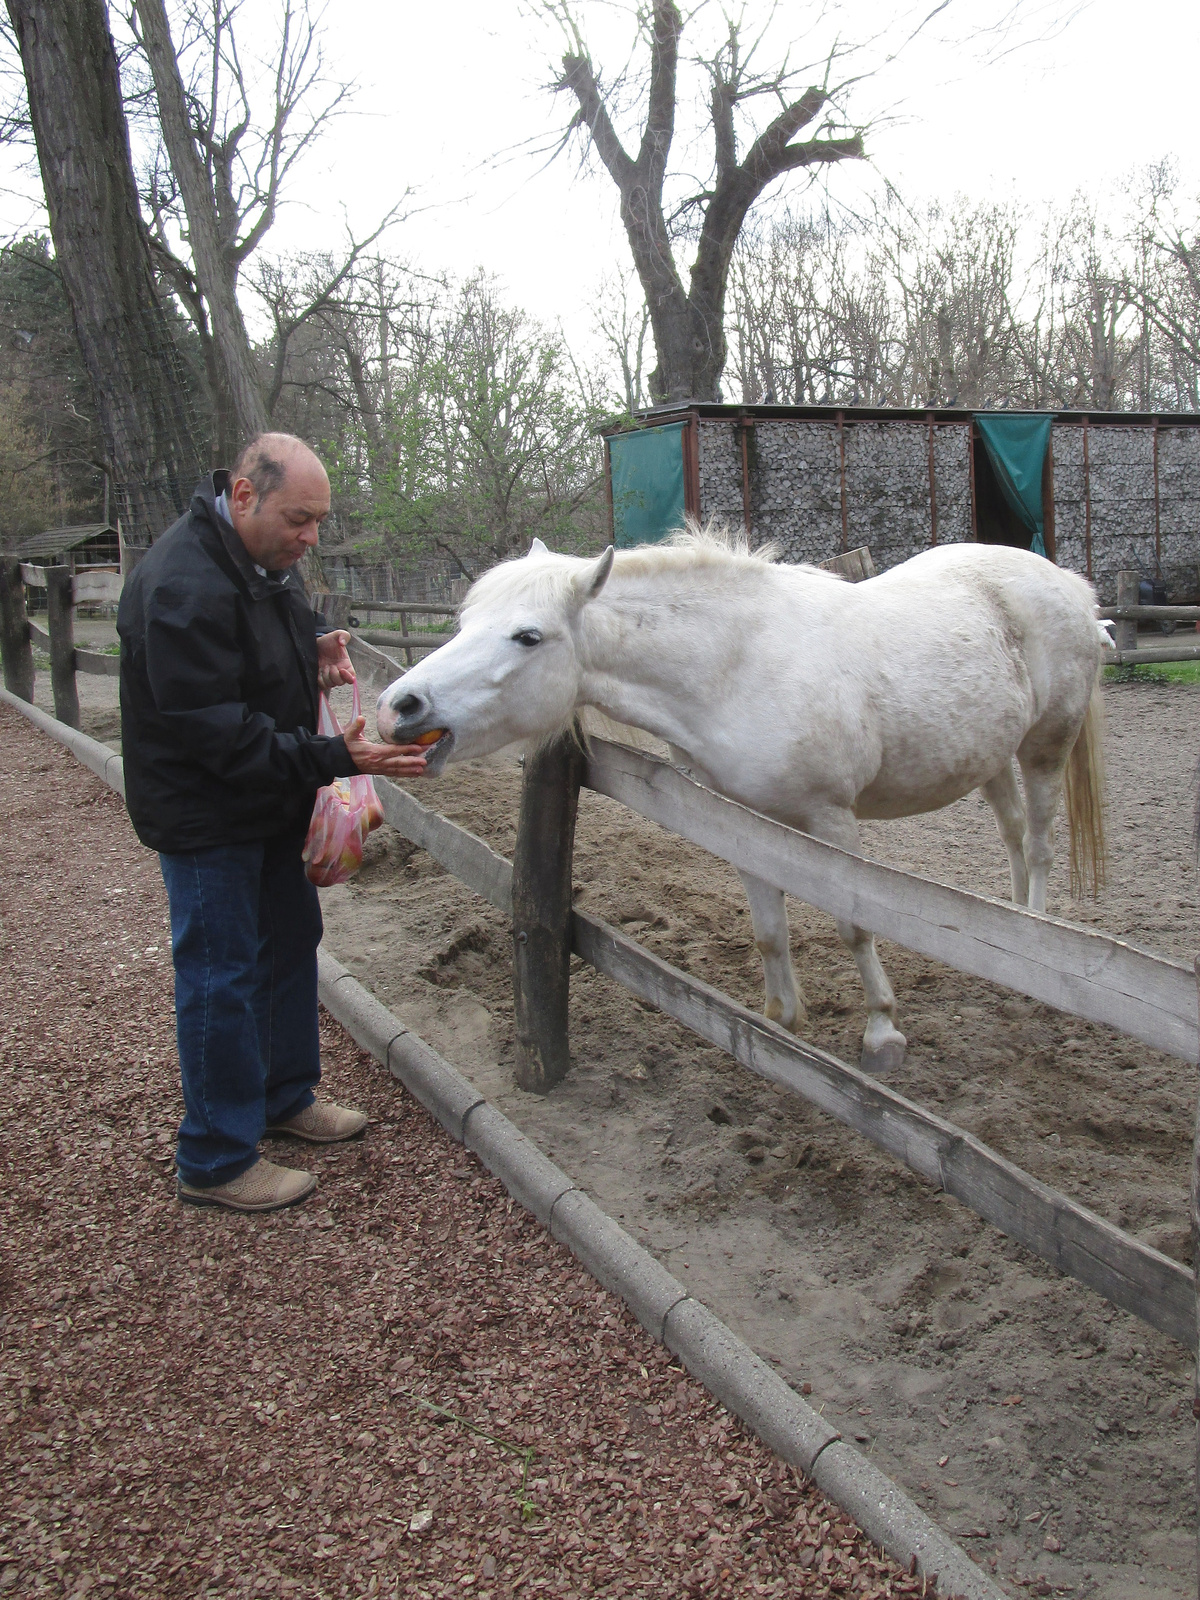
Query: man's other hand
x=333 y=660
x=387 y=760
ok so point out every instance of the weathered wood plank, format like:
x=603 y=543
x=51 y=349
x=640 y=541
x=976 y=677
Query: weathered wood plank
x=1074 y=1240
x=461 y=853
x=1152 y=613
x=61 y=619
x=15 y=646
x=853 y=565
x=1127 y=597
x=1149 y=654
x=404 y=641
x=541 y=899
x=1075 y=969
x=375 y=669
x=398 y=607
x=97 y=588
x=97 y=663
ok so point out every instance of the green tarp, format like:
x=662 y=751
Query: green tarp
x=647 y=484
x=1016 y=447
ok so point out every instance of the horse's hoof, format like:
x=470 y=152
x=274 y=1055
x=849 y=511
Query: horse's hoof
x=773 y=1011
x=884 y=1058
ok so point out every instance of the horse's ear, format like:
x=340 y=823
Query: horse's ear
x=537 y=548
x=590 y=582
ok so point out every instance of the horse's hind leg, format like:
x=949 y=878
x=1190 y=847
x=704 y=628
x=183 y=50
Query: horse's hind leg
x=1004 y=797
x=785 y=1003
x=1043 y=789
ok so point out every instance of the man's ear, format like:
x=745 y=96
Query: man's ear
x=594 y=576
x=537 y=548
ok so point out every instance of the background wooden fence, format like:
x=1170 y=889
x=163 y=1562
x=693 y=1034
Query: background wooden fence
x=1127 y=613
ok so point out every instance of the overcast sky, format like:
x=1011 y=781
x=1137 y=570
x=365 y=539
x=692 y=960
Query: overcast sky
x=451 y=95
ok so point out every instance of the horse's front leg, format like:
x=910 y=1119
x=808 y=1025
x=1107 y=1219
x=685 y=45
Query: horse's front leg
x=768 y=912
x=883 y=1043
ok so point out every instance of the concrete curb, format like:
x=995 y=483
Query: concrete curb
x=105 y=763
x=711 y=1352
x=725 y=1364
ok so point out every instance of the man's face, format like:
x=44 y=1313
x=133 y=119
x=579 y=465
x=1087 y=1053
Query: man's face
x=280 y=527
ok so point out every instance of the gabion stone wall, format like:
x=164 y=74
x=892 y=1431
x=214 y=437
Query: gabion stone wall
x=1121 y=480
x=795 y=492
x=795 y=485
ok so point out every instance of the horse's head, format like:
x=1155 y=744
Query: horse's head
x=511 y=673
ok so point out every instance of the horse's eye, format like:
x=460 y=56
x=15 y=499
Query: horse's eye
x=528 y=637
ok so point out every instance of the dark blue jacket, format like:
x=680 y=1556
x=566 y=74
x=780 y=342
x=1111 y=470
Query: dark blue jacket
x=218 y=691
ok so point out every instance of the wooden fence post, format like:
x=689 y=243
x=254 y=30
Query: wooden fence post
x=541 y=901
x=60 y=607
x=1127 y=595
x=15 y=644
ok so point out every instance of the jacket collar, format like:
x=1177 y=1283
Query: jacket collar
x=260 y=586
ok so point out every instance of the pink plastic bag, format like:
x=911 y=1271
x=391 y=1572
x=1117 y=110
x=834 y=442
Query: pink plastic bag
x=345 y=812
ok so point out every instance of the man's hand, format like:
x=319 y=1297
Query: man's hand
x=388 y=760
x=333 y=660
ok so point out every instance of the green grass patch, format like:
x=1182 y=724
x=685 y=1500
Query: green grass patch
x=416 y=625
x=1155 y=672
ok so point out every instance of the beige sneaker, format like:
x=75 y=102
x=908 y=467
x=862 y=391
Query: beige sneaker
x=323 y=1123
x=262 y=1187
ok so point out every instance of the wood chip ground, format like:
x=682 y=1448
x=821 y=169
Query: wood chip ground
x=404 y=1387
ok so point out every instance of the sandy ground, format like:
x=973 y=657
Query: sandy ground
x=403 y=1388
x=1048 y=1432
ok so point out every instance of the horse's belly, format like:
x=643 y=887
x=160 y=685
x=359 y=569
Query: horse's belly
x=882 y=802
x=926 y=769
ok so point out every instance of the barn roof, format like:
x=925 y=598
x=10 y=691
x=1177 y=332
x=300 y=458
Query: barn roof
x=680 y=410
x=57 y=541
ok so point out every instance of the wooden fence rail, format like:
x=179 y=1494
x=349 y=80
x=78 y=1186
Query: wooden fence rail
x=404 y=641
x=1128 y=612
x=1071 y=1238
x=418 y=608
x=64 y=591
x=1074 y=969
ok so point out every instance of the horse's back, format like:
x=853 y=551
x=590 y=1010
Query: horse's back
x=973 y=647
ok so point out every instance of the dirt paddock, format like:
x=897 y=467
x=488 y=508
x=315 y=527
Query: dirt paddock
x=1048 y=1432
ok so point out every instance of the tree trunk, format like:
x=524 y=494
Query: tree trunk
x=216 y=271
x=136 y=372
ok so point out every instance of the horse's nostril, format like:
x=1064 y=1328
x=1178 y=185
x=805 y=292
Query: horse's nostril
x=408 y=706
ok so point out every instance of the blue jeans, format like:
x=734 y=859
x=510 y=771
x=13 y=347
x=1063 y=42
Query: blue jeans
x=245 y=926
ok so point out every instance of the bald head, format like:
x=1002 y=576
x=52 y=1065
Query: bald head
x=278 y=497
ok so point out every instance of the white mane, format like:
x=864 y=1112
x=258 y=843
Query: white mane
x=546 y=578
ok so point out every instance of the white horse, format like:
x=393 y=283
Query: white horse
x=816 y=701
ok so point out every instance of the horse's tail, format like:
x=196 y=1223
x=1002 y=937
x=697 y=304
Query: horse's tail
x=1085 y=802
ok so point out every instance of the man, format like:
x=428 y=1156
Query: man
x=220 y=665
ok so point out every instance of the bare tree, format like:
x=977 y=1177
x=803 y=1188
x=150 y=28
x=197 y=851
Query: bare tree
x=623 y=322
x=228 y=160
x=689 y=323
x=125 y=338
